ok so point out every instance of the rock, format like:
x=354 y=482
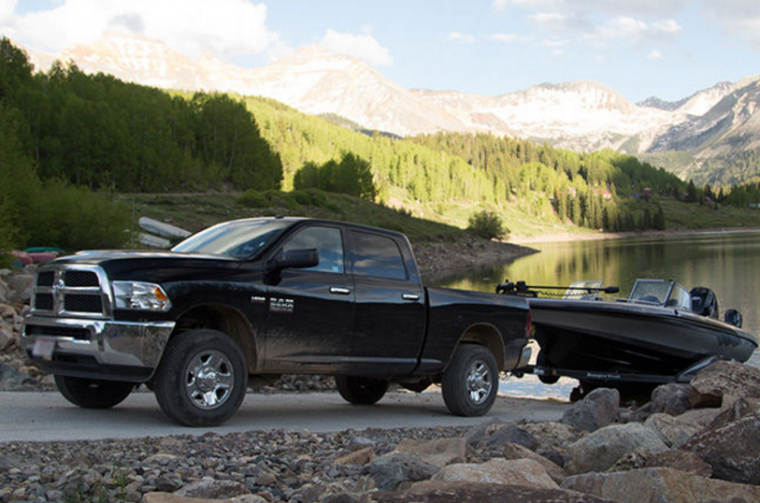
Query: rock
x=213 y=489
x=475 y=492
x=160 y=458
x=520 y=472
x=601 y=449
x=20 y=288
x=479 y=433
x=162 y=497
x=439 y=452
x=724 y=378
x=660 y=485
x=683 y=461
x=556 y=455
x=391 y=470
x=13 y=380
x=673 y=431
x=742 y=407
x=516 y=451
x=731 y=449
x=360 y=457
x=598 y=409
x=551 y=434
x=512 y=434
x=699 y=417
x=671 y=398
x=6 y=336
x=633 y=460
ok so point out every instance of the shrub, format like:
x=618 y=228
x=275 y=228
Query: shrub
x=253 y=199
x=487 y=225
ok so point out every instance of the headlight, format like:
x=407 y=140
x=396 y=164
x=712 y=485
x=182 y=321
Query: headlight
x=138 y=295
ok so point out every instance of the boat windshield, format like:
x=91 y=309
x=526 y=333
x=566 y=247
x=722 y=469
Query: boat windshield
x=651 y=291
x=660 y=292
x=237 y=239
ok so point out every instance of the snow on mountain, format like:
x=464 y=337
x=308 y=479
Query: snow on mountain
x=578 y=115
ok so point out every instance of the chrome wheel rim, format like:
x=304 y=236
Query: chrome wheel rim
x=479 y=382
x=209 y=379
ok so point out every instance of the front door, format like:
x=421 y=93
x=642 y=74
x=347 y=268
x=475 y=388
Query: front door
x=310 y=311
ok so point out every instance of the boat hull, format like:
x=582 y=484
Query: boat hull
x=630 y=342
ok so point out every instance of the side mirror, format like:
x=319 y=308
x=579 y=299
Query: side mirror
x=297 y=259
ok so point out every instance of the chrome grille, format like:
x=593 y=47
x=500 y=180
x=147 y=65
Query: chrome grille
x=72 y=290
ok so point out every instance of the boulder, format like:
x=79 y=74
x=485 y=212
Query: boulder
x=598 y=409
x=660 y=485
x=512 y=434
x=673 y=431
x=683 y=461
x=20 y=288
x=601 y=449
x=475 y=492
x=391 y=470
x=552 y=434
x=6 y=336
x=699 y=417
x=160 y=497
x=13 y=380
x=520 y=472
x=671 y=398
x=479 y=433
x=724 y=378
x=439 y=452
x=633 y=460
x=516 y=451
x=731 y=449
x=359 y=457
x=208 y=488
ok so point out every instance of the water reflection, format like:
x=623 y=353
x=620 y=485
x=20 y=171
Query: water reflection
x=728 y=262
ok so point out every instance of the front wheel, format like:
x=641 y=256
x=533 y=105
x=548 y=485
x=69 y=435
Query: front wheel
x=201 y=380
x=93 y=393
x=471 y=381
x=361 y=390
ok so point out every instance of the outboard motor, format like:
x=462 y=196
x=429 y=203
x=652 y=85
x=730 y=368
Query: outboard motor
x=704 y=302
x=733 y=317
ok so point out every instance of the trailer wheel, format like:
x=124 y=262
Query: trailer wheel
x=471 y=381
x=93 y=393
x=201 y=380
x=361 y=390
x=542 y=361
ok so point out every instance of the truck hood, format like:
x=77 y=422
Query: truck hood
x=97 y=257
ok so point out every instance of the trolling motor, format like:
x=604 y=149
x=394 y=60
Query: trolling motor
x=520 y=289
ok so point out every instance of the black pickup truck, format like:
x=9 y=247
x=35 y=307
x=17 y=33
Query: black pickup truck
x=246 y=301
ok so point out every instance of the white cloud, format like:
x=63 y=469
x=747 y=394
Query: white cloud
x=740 y=18
x=626 y=8
x=222 y=27
x=655 y=55
x=363 y=47
x=508 y=38
x=667 y=27
x=461 y=37
x=6 y=11
x=553 y=21
x=621 y=28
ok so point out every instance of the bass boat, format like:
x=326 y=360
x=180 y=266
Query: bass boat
x=661 y=333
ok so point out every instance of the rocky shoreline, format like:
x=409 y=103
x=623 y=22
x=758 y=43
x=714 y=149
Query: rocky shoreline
x=693 y=442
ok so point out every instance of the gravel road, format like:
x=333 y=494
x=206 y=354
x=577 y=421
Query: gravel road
x=49 y=417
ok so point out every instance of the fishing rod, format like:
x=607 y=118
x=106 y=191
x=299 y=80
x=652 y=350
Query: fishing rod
x=520 y=287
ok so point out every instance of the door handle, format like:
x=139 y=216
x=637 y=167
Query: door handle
x=339 y=290
x=410 y=296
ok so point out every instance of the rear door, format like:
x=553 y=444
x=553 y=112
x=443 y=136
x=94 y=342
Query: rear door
x=389 y=317
x=310 y=311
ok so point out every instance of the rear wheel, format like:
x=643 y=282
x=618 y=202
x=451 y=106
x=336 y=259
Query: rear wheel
x=471 y=381
x=93 y=393
x=201 y=380
x=361 y=390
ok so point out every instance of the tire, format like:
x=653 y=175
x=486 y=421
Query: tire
x=201 y=380
x=361 y=390
x=471 y=381
x=93 y=393
x=542 y=361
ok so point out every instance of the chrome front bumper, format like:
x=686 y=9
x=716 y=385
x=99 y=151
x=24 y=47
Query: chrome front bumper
x=96 y=347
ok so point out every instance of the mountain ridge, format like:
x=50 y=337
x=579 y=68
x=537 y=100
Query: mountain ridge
x=580 y=115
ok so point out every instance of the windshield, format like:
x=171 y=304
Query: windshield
x=650 y=290
x=238 y=239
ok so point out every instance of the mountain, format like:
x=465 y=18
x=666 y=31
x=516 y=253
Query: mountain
x=583 y=116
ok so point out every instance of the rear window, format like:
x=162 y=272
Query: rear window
x=377 y=256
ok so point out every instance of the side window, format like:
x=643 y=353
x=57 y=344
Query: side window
x=377 y=256
x=328 y=242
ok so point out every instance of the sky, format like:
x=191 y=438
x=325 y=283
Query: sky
x=639 y=48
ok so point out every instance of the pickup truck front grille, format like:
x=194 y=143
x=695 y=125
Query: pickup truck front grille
x=72 y=290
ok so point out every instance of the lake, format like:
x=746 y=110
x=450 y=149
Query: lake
x=727 y=262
